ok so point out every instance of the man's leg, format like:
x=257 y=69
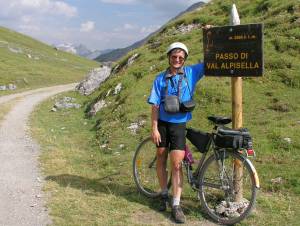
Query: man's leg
x=162 y=174
x=161 y=165
x=176 y=157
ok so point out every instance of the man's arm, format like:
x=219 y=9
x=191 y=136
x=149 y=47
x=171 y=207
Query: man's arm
x=154 y=120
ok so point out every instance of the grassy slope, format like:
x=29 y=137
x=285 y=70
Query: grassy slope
x=45 y=67
x=93 y=186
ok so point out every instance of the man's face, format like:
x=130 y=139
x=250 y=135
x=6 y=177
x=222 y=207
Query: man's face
x=177 y=59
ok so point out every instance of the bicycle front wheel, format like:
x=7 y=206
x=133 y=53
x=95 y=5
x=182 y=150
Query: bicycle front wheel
x=219 y=185
x=144 y=169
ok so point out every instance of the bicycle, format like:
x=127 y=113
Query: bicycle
x=214 y=178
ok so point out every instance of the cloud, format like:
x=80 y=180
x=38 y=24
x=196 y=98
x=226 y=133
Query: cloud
x=87 y=26
x=16 y=8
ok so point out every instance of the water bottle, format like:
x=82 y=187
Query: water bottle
x=188 y=155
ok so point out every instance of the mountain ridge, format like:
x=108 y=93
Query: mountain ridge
x=118 y=53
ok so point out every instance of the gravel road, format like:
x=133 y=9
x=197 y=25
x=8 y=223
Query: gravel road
x=21 y=198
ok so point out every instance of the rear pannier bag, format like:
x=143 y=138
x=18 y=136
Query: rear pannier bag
x=229 y=141
x=199 y=139
x=235 y=139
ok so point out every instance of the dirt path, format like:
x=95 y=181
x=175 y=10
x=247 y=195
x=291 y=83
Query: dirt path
x=21 y=198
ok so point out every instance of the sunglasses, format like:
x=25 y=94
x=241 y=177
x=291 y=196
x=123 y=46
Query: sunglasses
x=181 y=59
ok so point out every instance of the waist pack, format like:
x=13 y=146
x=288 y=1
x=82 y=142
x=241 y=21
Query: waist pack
x=187 y=106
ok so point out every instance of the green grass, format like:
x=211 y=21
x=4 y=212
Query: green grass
x=46 y=66
x=90 y=185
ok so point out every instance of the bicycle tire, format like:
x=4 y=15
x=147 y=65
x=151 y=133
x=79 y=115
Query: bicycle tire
x=217 y=200
x=144 y=169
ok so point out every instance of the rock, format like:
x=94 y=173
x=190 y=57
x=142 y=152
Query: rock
x=108 y=92
x=131 y=60
x=277 y=180
x=97 y=107
x=65 y=103
x=118 y=89
x=135 y=126
x=232 y=209
x=93 y=80
x=8 y=87
x=11 y=86
x=116 y=69
x=152 y=67
x=220 y=209
x=15 y=50
x=2 y=88
x=155 y=45
x=288 y=140
x=103 y=146
x=187 y=28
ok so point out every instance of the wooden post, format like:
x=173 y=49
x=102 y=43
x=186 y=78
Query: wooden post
x=237 y=113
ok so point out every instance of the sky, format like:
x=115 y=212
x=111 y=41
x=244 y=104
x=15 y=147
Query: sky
x=98 y=24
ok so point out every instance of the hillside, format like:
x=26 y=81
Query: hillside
x=28 y=63
x=275 y=94
x=92 y=160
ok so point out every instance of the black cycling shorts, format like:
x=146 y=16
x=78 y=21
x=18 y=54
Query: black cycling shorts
x=172 y=135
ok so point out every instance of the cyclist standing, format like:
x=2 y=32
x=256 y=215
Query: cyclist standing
x=168 y=129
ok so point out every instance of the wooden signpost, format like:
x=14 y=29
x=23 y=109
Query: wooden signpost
x=234 y=51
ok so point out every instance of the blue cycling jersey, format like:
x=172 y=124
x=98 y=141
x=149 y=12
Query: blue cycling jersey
x=193 y=74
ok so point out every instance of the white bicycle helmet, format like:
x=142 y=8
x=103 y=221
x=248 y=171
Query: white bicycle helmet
x=178 y=45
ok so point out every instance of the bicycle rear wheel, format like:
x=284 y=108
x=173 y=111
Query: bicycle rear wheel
x=144 y=169
x=217 y=190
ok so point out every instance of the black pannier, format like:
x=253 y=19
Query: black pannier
x=199 y=139
x=235 y=139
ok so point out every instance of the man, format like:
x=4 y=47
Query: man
x=168 y=129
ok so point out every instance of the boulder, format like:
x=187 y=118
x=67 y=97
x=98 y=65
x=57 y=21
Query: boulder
x=135 y=126
x=118 y=89
x=65 y=103
x=97 y=107
x=132 y=59
x=8 y=87
x=93 y=80
x=11 y=86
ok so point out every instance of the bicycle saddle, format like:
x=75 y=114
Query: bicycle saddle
x=219 y=120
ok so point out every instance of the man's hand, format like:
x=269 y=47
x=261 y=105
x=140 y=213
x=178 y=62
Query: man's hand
x=156 y=137
x=154 y=117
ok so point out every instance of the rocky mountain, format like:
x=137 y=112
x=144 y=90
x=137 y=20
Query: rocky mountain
x=81 y=50
x=118 y=53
